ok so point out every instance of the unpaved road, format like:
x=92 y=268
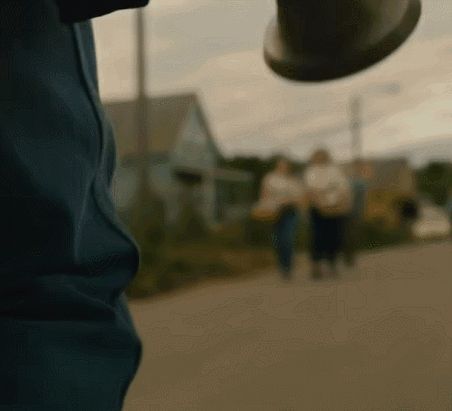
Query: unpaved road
x=378 y=338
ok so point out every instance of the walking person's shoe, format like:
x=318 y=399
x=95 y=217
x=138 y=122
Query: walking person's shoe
x=287 y=277
x=316 y=271
x=333 y=270
x=349 y=260
x=286 y=274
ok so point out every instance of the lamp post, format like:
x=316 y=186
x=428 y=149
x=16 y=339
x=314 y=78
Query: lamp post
x=355 y=112
x=355 y=126
x=141 y=103
x=148 y=211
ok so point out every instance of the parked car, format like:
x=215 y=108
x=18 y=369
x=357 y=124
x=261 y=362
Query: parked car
x=432 y=223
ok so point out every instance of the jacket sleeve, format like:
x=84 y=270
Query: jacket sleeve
x=72 y=11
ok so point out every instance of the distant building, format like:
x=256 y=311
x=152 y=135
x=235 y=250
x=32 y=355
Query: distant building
x=392 y=188
x=184 y=161
x=392 y=191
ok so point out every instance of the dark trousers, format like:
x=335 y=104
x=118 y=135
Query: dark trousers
x=352 y=238
x=284 y=235
x=326 y=236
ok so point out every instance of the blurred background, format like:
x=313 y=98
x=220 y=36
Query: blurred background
x=200 y=120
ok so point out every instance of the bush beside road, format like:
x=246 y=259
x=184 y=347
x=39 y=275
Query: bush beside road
x=236 y=250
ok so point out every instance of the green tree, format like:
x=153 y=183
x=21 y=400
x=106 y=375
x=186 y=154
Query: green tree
x=258 y=166
x=434 y=181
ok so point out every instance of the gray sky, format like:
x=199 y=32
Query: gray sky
x=215 y=48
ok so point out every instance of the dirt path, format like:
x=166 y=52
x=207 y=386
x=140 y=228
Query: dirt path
x=379 y=338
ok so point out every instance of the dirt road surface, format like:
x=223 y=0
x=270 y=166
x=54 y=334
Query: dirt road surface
x=377 y=338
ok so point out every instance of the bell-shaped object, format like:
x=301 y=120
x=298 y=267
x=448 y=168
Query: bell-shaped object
x=316 y=40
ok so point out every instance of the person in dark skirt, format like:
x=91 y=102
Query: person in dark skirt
x=327 y=238
x=449 y=208
x=68 y=342
x=330 y=201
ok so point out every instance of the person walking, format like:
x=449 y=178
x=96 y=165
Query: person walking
x=281 y=197
x=449 y=208
x=329 y=197
x=353 y=221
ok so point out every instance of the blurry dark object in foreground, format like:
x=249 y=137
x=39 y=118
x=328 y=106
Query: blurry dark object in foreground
x=312 y=40
x=76 y=11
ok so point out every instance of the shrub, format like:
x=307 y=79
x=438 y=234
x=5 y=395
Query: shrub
x=376 y=235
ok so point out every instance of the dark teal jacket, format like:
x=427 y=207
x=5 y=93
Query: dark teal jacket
x=67 y=342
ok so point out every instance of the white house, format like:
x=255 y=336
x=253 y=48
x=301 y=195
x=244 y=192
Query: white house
x=184 y=161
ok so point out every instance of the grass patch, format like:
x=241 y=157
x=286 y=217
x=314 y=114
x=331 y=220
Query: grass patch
x=238 y=250
x=192 y=263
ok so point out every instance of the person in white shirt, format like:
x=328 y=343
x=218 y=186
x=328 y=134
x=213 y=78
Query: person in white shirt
x=282 y=192
x=329 y=196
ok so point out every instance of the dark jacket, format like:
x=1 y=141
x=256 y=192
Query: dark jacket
x=67 y=342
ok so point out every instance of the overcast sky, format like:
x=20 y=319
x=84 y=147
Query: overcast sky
x=215 y=48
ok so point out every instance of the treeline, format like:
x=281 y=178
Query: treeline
x=434 y=181
x=258 y=167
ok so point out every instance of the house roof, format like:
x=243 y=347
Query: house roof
x=166 y=116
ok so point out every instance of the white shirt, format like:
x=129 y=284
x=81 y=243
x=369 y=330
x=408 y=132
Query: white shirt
x=327 y=180
x=280 y=188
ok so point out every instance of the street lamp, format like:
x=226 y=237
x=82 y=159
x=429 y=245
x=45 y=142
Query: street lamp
x=355 y=110
x=141 y=103
x=148 y=211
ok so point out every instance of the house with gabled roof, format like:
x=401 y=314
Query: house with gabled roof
x=391 y=187
x=184 y=160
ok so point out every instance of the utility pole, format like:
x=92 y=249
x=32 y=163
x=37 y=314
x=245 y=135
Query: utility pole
x=142 y=101
x=355 y=113
x=147 y=214
x=356 y=126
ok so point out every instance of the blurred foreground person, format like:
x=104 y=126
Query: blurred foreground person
x=354 y=219
x=281 y=198
x=329 y=196
x=68 y=343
